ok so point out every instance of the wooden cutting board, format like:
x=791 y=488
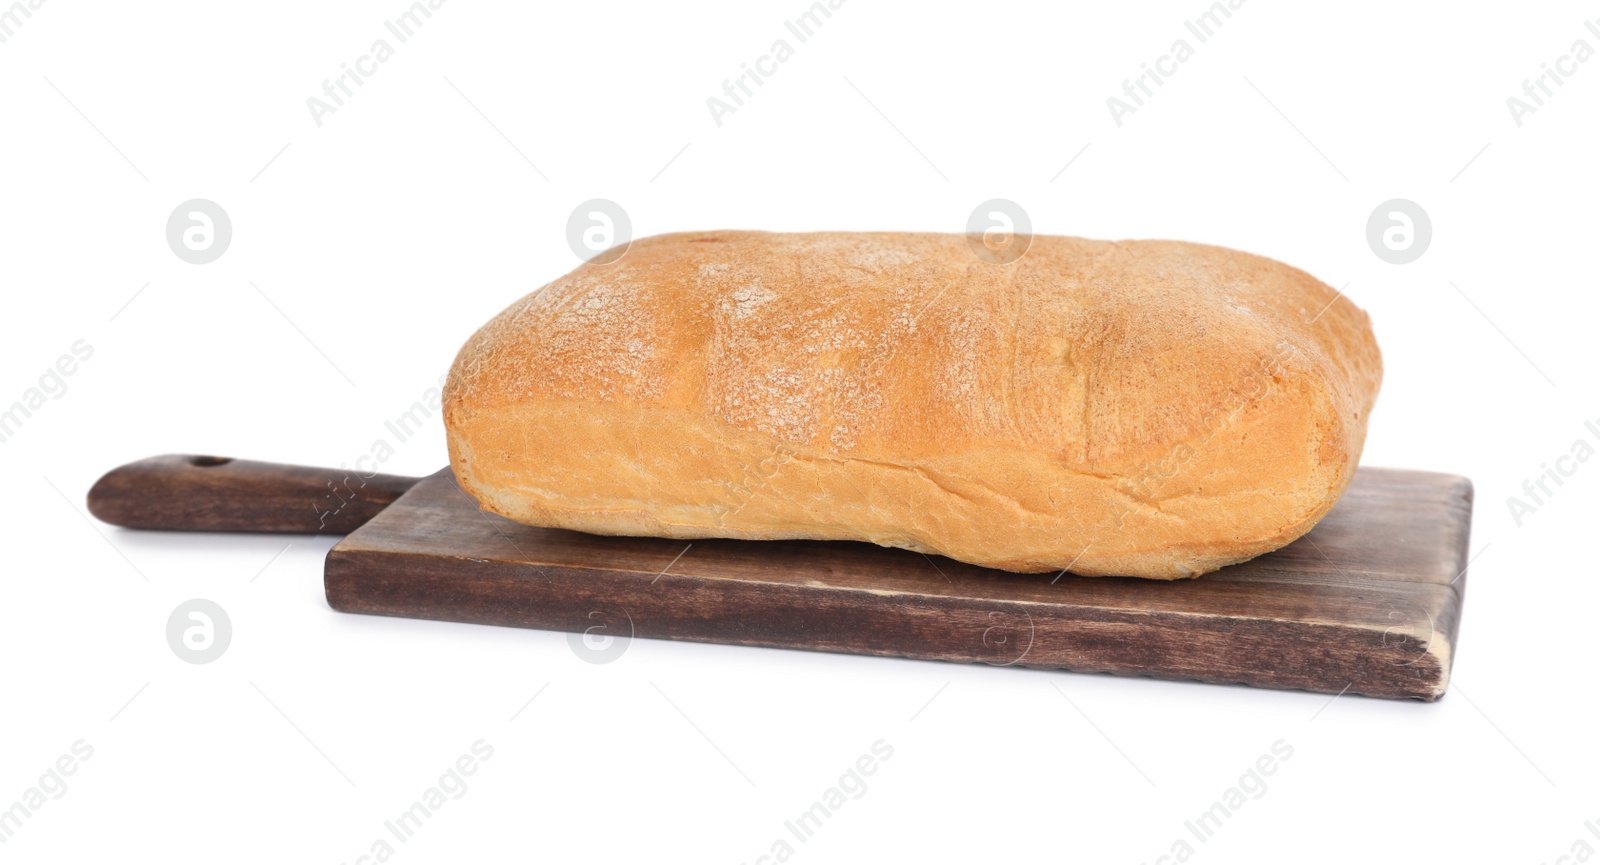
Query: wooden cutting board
x=1367 y=603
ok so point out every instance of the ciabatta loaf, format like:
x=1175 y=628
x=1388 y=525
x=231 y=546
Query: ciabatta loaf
x=1141 y=408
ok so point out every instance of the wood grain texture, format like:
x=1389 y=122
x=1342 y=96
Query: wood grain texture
x=1368 y=603
x=193 y=493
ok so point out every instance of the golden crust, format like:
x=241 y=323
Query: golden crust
x=1141 y=408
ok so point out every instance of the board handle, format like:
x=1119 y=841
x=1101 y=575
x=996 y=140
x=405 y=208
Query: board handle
x=192 y=493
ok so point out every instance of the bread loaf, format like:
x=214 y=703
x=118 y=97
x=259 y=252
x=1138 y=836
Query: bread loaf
x=1141 y=408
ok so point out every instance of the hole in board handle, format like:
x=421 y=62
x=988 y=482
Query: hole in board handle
x=208 y=462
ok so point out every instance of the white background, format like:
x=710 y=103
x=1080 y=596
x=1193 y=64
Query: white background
x=386 y=236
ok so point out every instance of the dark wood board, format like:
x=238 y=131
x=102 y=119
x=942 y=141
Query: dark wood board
x=1367 y=603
